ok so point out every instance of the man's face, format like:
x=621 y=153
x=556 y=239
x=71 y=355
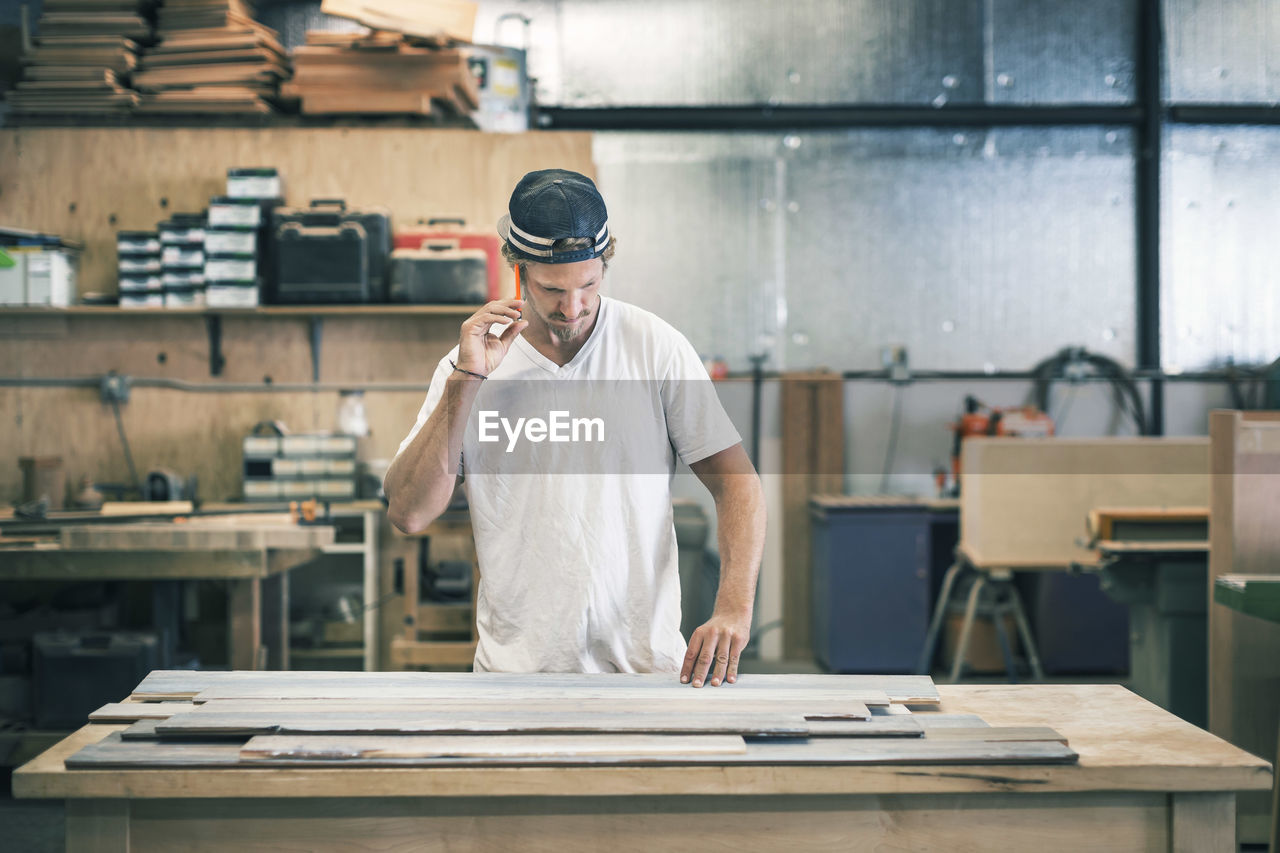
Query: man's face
x=564 y=297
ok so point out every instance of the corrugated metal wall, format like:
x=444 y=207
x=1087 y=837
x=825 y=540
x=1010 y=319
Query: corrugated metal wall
x=974 y=248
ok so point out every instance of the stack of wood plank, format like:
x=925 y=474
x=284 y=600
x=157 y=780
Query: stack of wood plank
x=239 y=719
x=380 y=73
x=83 y=56
x=212 y=56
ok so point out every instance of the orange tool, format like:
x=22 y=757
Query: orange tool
x=517 y=271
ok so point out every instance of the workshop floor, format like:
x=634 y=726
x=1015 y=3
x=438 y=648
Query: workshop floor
x=38 y=826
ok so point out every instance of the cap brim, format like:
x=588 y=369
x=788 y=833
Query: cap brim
x=504 y=227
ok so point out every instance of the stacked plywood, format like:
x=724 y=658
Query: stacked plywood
x=83 y=56
x=239 y=719
x=212 y=56
x=380 y=73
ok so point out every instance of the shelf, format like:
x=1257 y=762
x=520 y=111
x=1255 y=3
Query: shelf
x=345 y=548
x=326 y=654
x=262 y=311
x=314 y=314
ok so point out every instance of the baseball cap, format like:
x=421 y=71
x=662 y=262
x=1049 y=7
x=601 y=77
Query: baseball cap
x=550 y=205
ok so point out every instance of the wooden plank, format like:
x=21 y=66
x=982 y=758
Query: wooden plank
x=282 y=747
x=1024 y=502
x=997 y=734
x=128 y=712
x=839 y=704
x=780 y=705
x=365 y=102
x=812 y=463
x=112 y=751
x=1170 y=546
x=142 y=730
x=219 y=533
x=450 y=19
x=444 y=618
x=1244 y=652
x=55 y=563
x=1256 y=595
x=406 y=652
x=931 y=721
x=203 y=723
x=184 y=684
x=889 y=726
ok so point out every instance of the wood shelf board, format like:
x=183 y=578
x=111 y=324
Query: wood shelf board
x=1256 y=595
x=362 y=311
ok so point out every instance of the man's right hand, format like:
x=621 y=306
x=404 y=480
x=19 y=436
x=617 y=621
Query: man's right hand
x=480 y=352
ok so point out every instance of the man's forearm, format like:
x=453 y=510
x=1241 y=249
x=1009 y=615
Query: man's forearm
x=740 y=528
x=420 y=481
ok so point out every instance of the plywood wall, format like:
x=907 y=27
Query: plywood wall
x=1024 y=501
x=77 y=181
x=88 y=183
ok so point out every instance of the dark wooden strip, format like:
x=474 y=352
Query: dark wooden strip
x=997 y=734
x=347 y=747
x=113 y=751
x=512 y=719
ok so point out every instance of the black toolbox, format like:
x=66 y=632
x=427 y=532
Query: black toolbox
x=73 y=674
x=439 y=272
x=329 y=254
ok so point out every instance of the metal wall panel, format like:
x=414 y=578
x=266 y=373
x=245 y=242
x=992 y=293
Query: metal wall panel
x=590 y=53
x=1221 y=298
x=973 y=249
x=1223 y=50
x=1051 y=51
x=695 y=242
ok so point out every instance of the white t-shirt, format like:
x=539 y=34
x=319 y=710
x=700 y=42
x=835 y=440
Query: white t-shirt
x=573 y=521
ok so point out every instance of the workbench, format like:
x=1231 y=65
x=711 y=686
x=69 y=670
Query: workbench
x=1155 y=560
x=252 y=553
x=1145 y=780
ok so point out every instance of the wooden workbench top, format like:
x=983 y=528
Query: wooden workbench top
x=225 y=546
x=1124 y=742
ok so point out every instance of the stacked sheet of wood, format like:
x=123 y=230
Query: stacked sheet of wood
x=380 y=73
x=212 y=56
x=250 y=719
x=83 y=55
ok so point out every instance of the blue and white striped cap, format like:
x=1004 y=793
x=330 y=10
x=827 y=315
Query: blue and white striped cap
x=551 y=205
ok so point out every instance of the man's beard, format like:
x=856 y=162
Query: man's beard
x=568 y=333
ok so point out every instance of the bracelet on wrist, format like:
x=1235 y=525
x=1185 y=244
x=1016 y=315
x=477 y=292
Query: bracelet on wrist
x=468 y=372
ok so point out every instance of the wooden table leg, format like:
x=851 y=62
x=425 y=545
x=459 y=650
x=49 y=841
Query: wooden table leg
x=371 y=596
x=97 y=826
x=275 y=620
x=1203 y=823
x=1275 y=801
x=244 y=623
x=966 y=627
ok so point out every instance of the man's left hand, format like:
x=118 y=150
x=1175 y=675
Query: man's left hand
x=719 y=641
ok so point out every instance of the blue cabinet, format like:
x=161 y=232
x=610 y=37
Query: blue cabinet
x=873 y=563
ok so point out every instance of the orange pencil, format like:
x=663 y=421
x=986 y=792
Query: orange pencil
x=517 y=271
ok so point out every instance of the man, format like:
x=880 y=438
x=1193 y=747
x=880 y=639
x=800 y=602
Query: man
x=576 y=543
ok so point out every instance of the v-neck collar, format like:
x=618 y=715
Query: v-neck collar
x=540 y=360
